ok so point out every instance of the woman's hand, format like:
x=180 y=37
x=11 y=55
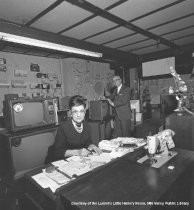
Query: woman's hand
x=94 y=148
x=83 y=152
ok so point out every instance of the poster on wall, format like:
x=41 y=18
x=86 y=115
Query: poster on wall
x=87 y=78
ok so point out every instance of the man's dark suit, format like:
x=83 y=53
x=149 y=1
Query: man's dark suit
x=121 y=102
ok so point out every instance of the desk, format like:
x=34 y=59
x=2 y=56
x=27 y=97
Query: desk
x=184 y=129
x=148 y=127
x=24 y=150
x=122 y=180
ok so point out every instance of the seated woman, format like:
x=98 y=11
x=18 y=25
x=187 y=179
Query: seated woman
x=74 y=135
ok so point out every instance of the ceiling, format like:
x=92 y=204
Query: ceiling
x=128 y=31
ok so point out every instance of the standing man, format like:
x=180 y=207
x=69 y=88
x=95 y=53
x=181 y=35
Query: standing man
x=120 y=100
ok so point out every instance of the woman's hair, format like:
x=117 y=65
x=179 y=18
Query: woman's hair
x=77 y=100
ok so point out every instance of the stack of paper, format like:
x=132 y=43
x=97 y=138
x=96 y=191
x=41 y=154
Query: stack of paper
x=45 y=182
x=108 y=145
x=102 y=158
x=57 y=176
x=130 y=140
x=120 y=152
x=73 y=168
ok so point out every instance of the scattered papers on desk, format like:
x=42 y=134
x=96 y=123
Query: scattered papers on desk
x=130 y=140
x=68 y=169
x=74 y=158
x=116 y=144
x=120 y=152
x=108 y=145
x=75 y=168
x=103 y=158
x=60 y=163
x=57 y=176
x=45 y=182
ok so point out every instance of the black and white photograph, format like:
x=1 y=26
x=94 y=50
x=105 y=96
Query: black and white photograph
x=96 y=104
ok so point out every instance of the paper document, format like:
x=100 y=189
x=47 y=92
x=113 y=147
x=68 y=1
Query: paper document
x=76 y=166
x=59 y=163
x=75 y=169
x=102 y=158
x=57 y=176
x=45 y=182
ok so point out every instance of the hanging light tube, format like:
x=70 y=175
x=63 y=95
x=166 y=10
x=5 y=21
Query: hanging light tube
x=48 y=45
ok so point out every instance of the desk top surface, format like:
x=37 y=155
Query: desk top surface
x=125 y=180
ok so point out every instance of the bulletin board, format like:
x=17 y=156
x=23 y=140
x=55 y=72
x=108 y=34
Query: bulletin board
x=87 y=78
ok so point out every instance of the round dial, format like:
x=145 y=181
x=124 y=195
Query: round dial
x=18 y=107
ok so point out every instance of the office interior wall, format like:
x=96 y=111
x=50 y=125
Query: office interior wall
x=157 y=87
x=22 y=62
x=76 y=76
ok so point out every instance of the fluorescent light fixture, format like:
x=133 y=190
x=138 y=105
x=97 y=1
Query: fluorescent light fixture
x=48 y=45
